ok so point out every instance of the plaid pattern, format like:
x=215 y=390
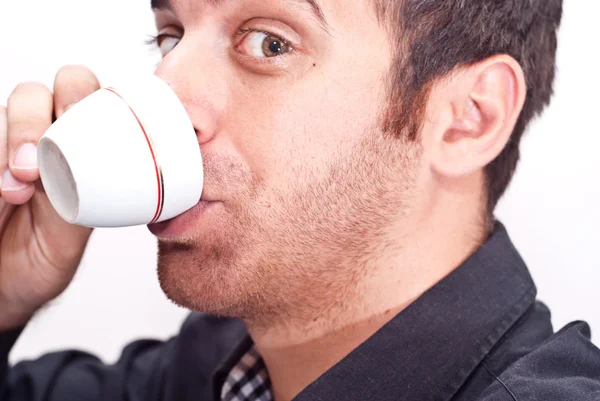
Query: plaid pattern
x=248 y=380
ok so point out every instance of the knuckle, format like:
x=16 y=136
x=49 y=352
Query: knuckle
x=72 y=84
x=70 y=69
x=26 y=123
x=73 y=72
x=29 y=104
x=3 y=130
x=27 y=88
x=3 y=118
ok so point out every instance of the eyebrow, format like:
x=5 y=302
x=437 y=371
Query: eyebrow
x=314 y=5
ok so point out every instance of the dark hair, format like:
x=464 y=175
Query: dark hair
x=436 y=36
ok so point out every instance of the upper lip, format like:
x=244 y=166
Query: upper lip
x=207 y=199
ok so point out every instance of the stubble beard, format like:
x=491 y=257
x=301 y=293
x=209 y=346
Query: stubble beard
x=305 y=254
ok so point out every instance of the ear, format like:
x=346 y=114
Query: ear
x=483 y=103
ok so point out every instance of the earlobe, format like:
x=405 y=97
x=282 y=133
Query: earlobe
x=483 y=116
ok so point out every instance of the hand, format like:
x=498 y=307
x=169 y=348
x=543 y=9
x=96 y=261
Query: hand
x=39 y=252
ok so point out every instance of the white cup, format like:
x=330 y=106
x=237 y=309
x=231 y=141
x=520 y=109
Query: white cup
x=123 y=156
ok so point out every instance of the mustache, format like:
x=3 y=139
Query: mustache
x=224 y=173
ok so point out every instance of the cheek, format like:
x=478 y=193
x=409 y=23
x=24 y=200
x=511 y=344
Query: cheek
x=286 y=131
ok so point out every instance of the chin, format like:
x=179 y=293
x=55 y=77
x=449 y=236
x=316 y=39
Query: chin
x=206 y=279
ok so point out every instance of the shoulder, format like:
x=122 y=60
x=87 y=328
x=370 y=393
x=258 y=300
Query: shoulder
x=564 y=367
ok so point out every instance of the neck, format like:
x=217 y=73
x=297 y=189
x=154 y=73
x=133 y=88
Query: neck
x=434 y=244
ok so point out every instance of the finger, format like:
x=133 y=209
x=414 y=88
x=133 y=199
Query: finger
x=72 y=84
x=14 y=191
x=3 y=143
x=29 y=115
x=11 y=190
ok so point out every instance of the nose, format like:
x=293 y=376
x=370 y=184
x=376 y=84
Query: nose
x=192 y=74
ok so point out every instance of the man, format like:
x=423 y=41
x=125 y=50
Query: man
x=354 y=153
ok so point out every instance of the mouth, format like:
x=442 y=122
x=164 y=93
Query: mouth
x=182 y=225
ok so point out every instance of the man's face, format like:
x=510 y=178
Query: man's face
x=303 y=186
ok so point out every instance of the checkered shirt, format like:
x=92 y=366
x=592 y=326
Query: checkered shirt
x=248 y=380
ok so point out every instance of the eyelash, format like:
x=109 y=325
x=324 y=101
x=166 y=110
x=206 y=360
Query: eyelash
x=242 y=31
x=154 y=40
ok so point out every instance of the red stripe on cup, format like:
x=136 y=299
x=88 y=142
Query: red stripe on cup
x=158 y=170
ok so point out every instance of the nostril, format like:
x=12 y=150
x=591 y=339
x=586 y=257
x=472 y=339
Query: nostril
x=204 y=136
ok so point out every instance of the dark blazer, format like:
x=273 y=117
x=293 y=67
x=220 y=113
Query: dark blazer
x=479 y=334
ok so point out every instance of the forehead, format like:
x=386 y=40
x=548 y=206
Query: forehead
x=167 y=4
x=321 y=10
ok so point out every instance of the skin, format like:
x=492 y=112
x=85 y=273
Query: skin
x=322 y=226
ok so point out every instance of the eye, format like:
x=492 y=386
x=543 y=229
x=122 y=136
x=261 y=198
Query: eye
x=263 y=44
x=166 y=43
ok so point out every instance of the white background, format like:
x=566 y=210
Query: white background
x=551 y=209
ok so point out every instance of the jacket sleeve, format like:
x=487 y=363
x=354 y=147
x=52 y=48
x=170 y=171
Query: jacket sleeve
x=75 y=375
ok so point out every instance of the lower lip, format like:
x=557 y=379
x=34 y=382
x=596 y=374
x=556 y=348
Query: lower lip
x=179 y=226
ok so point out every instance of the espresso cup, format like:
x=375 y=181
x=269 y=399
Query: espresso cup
x=124 y=156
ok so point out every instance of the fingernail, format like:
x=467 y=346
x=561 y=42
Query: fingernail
x=10 y=183
x=26 y=157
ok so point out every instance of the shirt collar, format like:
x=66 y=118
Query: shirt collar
x=429 y=350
